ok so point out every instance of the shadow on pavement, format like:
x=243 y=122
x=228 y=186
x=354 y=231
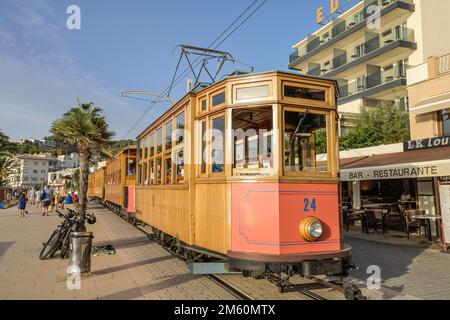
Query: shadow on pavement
x=170 y=281
x=4 y=246
x=132 y=265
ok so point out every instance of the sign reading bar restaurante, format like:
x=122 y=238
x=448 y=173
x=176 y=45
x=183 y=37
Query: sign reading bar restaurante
x=426 y=143
x=408 y=170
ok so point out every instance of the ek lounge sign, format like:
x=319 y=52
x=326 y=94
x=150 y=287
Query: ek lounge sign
x=430 y=143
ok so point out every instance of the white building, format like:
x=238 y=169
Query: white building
x=58 y=179
x=68 y=161
x=30 y=171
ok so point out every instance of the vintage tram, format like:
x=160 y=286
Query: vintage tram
x=244 y=171
x=247 y=170
x=114 y=184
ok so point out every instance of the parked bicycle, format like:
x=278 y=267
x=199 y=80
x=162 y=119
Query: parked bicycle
x=60 y=238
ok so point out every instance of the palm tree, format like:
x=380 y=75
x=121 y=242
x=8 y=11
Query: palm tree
x=6 y=164
x=85 y=127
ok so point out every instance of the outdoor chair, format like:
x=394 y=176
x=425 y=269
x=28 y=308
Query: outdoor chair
x=411 y=223
x=376 y=218
x=357 y=215
x=395 y=216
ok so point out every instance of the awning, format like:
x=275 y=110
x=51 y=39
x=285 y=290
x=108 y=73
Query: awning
x=440 y=102
x=413 y=164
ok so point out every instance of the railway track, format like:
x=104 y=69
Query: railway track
x=240 y=287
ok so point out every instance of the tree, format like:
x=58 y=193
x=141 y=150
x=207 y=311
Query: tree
x=6 y=146
x=374 y=126
x=6 y=164
x=85 y=127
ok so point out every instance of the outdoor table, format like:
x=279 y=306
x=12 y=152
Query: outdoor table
x=428 y=219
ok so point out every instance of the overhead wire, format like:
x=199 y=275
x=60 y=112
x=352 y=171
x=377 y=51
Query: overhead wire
x=197 y=62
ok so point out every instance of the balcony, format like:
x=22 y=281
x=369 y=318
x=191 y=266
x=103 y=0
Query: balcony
x=399 y=37
x=343 y=28
x=443 y=64
x=370 y=84
x=389 y=40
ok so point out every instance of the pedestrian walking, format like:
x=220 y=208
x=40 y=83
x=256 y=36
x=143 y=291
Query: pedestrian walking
x=38 y=194
x=52 y=203
x=22 y=205
x=46 y=199
x=30 y=195
x=61 y=200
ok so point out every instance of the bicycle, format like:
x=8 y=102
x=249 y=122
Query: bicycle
x=60 y=238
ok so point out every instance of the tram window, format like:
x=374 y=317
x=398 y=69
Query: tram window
x=168 y=135
x=304 y=93
x=218 y=99
x=252 y=92
x=252 y=129
x=158 y=170
x=139 y=174
x=168 y=171
x=151 y=171
x=218 y=145
x=141 y=147
x=204 y=139
x=144 y=174
x=152 y=145
x=302 y=131
x=203 y=105
x=159 y=141
x=179 y=166
x=131 y=166
x=146 y=148
x=180 y=129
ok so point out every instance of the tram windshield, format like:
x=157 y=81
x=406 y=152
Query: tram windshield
x=252 y=130
x=305 y=138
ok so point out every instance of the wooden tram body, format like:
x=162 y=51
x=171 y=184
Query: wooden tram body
x=245 y=171
x=252 y=200
x=96 y=185
x=118 y=178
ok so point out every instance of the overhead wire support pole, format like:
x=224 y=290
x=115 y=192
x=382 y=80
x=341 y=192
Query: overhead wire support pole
x=205 y=54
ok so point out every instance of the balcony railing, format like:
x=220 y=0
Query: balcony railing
x=443 y=64
x=369 y=81
x=339 y=27
x=377 y=42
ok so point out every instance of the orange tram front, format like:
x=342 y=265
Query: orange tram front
x=246 y=172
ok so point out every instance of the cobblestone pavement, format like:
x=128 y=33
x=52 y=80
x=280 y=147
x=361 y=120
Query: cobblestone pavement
x=415 y=272
x=140 y=269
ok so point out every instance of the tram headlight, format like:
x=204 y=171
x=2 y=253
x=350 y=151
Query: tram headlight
x=311 y=229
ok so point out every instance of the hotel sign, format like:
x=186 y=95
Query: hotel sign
x=403 y=171
x=426 y=144
x=335 y=5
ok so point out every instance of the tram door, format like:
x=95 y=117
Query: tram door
x=125 y=197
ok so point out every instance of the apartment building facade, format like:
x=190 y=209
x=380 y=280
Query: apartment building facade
x=370 y=57
x=429 y=95
x=30 y=171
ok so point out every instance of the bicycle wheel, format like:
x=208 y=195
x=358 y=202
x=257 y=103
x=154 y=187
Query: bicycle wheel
x=65 y=247
x=49 y=248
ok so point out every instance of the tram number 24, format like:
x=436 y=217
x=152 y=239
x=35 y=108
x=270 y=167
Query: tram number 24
x=310 y=205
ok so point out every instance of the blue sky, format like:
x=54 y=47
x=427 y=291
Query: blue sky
x=125 y=45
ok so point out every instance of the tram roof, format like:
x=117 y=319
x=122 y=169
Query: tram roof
x=199 y=88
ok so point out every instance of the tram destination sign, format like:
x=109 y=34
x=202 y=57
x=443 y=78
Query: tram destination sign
x=430 y=143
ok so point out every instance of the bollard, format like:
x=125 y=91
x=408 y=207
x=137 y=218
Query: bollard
x=80 y=255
